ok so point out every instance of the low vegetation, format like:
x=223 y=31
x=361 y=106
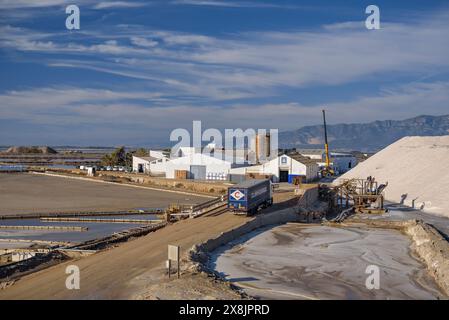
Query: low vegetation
x=120 y=157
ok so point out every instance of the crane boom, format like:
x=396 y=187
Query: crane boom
x=326 y=145
x=328 y=171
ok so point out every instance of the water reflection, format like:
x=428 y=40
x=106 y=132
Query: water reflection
x=96 y=230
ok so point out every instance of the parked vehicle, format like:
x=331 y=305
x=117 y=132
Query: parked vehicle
x=250 y=195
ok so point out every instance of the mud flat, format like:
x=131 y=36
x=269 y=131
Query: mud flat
x=296 y=261
x=24 y=193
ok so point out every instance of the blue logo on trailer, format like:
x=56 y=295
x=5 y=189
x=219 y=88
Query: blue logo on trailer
x=237 y=195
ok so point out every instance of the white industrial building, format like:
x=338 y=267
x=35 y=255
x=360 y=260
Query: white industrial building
x=142 y=164
x=199 y=166
x=159 y=154
x=153 y=163
x=284 y=168
x=341 y=162
x=219 y=164
x=316 y=154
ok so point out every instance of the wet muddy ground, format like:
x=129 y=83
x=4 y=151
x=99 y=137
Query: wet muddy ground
x=296 y=261
x=24 y=193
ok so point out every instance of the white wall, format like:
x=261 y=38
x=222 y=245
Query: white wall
x=310 y=171
x=272 y=167
x=186 y=151
x=213 y=165
x=341 y=161
x=157 y=154
x=314 y=156
x=137 y=161
x=159 y=166
x=20 y=256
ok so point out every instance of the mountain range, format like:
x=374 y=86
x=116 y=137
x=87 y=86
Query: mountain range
x=366 y=137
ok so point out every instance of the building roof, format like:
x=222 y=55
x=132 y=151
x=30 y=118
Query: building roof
x=197 y=158
x=302 y=159
x=147 y=158
x=310 y=151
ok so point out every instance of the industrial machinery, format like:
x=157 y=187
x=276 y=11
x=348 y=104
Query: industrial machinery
x=327 y=171
x=247 y=197
x=363 y=195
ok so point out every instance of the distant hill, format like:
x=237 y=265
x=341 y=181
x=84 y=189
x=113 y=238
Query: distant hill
x=365 y=137
x=30 y=150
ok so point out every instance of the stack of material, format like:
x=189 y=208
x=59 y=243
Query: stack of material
x=181 y=174
x=417 y=172
x=31 y=150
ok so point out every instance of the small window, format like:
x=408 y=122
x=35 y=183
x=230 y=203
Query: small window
x=284 y=160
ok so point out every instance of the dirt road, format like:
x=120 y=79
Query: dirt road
x=121 y=272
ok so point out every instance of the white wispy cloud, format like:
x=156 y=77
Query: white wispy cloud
x=256 y=63
x=13 y=4
x=230 y=4
x=151 y=110
x=222 y=79
x=30 y=4
x=119 y=4
x=26 y=4
x=143 y=42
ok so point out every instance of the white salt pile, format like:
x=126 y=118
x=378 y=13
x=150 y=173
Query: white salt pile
x=417 y=170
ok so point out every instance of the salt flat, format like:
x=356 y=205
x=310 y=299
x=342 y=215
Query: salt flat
x=318 y=262
x=23 y=193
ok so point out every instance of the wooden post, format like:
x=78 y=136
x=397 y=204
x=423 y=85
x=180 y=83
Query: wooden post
x=169 y=267
x=174 y=254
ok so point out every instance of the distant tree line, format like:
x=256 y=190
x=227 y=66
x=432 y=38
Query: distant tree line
x=119 y=157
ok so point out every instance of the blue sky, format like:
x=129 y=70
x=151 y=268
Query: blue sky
x=138 y=69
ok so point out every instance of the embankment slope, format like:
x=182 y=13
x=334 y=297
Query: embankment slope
x=121 y=272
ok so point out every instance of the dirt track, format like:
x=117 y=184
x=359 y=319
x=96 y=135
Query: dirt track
x=122 y=272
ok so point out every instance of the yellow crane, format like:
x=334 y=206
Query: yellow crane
x=327 y=171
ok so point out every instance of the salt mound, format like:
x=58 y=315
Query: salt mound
x=31 y=150
x=416 y=168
